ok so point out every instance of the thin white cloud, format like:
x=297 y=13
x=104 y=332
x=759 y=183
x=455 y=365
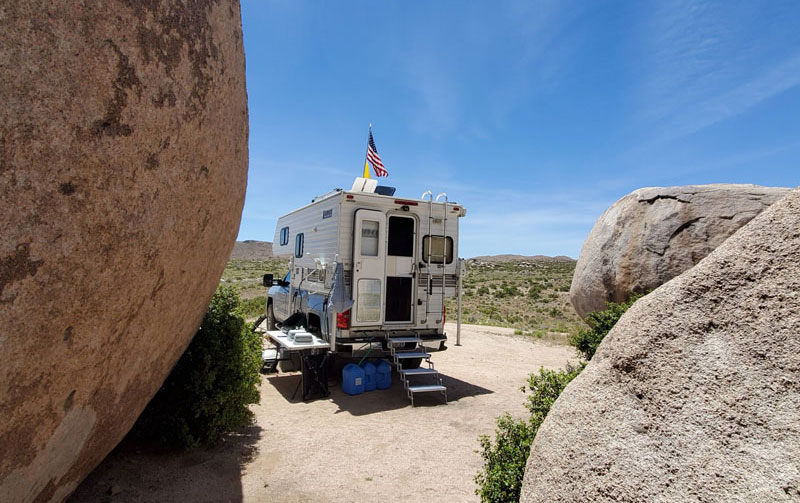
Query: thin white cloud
x=699 y=70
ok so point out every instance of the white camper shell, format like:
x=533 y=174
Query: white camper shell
x=400 y=261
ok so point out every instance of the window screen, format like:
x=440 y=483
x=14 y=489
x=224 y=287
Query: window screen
x=369 y=238
x=298 y=246
x=369 y=300
x=436 y=246
x=401 y=237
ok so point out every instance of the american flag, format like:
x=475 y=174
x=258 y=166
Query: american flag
x=374 y=158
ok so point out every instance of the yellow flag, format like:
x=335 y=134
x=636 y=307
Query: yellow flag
x=366 y=169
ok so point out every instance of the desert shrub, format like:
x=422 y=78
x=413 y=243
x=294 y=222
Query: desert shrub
x=207 y=393
x=535 y=290
x=251 y=308
x=483 y=291
x=600 y=323
x=505 y=456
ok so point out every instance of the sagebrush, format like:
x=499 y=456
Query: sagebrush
x=505 y=456
x=600 y=323
x=208 y=391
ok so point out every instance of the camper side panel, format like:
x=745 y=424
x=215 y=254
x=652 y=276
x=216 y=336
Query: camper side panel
x=318 y=223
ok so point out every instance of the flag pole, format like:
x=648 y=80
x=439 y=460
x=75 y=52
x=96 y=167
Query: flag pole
x=366 y=155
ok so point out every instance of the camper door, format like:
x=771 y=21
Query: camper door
x=369 y=256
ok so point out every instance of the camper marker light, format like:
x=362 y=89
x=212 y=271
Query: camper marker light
x=406 y=203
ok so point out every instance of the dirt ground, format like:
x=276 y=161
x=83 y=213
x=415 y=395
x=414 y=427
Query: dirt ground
x=371 y=447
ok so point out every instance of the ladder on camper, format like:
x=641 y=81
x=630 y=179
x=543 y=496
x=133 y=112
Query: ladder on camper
x=400 y=351
x=433 y=278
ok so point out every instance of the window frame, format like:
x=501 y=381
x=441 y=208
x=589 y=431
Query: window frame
x=299 y=243
x=284 y=239
x=391 y=246
x=427 y=239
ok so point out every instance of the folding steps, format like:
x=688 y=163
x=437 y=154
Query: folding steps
x=398 y=348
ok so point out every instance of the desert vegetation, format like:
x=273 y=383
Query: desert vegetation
x=530 y=296
x=208 y=392
x=245 y=275
x=506 y=455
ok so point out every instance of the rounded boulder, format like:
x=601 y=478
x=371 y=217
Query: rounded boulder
x=654 y=234
x=123 y=166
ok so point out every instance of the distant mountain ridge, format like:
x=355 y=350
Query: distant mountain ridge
x=251 y=250
x=521 y=258
x=262 y=250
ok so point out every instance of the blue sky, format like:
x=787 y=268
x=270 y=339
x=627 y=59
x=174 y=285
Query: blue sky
x=536 y=116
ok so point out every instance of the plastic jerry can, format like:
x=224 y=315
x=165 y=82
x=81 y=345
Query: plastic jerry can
x=352 y=379
x=369 y=376
x=383 y=375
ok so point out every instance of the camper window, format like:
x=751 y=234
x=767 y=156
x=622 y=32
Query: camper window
x=284 y=236
x=369 y=238
x=438 y=255
x=401 y=237
x=369 y=300
x=298 y=246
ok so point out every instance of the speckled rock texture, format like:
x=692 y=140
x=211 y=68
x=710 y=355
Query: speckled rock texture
x=123 y=166
x=695 y=394
x=654 y=234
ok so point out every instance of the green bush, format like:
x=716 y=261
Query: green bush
x=208 y=391
x=600 y=323
x=252 y=308
x=505 y=457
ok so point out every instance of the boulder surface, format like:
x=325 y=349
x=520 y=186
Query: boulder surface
x=654 y=234
x=695 y=394
x=123 y=166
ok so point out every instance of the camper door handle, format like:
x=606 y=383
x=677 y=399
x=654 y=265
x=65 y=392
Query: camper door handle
x=358 y=266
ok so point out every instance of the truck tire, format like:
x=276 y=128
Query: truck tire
x=270 y=317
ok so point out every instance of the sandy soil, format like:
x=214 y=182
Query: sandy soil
x=373 y=446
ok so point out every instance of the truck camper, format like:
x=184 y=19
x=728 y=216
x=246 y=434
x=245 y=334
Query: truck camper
x=370 y=272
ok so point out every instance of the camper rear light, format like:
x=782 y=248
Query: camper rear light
x=343 y=319
x=444 y=315
x=405 y=203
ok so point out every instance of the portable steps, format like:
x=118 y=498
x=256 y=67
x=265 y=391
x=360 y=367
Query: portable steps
x=399 y=351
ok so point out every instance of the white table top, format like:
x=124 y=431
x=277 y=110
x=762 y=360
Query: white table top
x=283 y=339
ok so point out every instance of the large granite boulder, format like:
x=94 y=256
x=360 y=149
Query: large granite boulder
x=123 y=165
x=654 y=234
x=695 y=394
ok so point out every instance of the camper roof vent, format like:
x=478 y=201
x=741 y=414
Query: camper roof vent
x=364 y=185
x=385 y=190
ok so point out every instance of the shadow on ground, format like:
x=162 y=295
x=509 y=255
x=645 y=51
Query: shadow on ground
x=134 y=473
x=378 y=400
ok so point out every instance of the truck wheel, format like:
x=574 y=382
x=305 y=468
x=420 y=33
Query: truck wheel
x=270 y=317
x=411 y=363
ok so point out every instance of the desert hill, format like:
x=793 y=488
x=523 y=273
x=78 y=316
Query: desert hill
x=251 y=250
x=521 y=258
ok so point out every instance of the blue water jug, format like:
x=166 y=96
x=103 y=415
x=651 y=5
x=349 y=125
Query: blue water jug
x=369 y=376
x=352 y=379
x=383 y=375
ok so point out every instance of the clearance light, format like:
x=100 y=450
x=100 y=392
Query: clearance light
x=406 y=203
